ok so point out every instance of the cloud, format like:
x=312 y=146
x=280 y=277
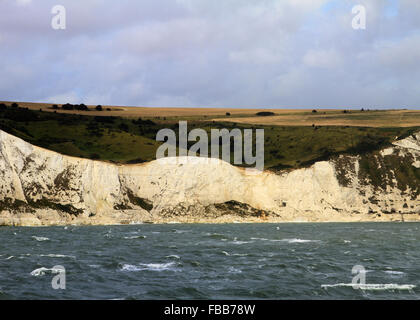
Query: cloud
x=23 y=2
x=239 y=53
x=322 y=58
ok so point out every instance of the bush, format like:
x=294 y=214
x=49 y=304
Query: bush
x=68 y=106
x=314 y=111
x=82 y=107
x=98 y=107
x=95 y=156
x=265 y=114
x=123 y=127
x=3 y=106
x=105 y=119
x=15 y=105
x=228 y=113
x=55 y=107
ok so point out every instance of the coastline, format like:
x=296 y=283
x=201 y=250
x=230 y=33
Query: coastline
x=44 y=188
x=31 y=220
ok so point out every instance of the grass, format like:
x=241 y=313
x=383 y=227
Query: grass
x=279 y=117
x=124 y=140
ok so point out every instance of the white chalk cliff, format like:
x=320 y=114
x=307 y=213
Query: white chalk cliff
x=42 y=187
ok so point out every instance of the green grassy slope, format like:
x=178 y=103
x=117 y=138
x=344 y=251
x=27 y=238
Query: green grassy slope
x=131 y=141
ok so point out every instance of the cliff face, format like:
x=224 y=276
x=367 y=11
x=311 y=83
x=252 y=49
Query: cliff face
x=41 y=187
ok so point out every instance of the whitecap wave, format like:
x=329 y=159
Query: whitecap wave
x=242 y=242
x=235 y=254
x=135 y=237
x=295 y=240
x=40 y=238
x=42 y=271
x=148 y=266
x=372 y=286
x=234 y=270
x=394 y=272
x=173 y=256
x=52 y=255
x=236 y=241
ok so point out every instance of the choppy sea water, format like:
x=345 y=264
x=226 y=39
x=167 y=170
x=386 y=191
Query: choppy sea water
x=231 y=261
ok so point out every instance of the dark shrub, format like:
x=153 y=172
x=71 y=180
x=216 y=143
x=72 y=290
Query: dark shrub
x=228 y=113
x=68 y=106
x=265 y=114
x=95 y=156
x=98 y=107
x=82 y=107
x=3 y=106
x=314 y=111
x=105 y=119
x=55 y=107
x=141 y=122
x=123 y=127
x=15 y=105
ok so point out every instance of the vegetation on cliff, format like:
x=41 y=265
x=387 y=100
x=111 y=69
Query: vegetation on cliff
x=122 y=140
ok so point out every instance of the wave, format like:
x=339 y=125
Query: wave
x=296 y=240
x=180 y=231
x=394 y=272
x=216 y=235
x=40 y=238
x=286 y=240
x=42 y=271
x=236 y=241
x=234 y=270
x=135 y=237
x=148 y=267
x=241 y=242
x=376 y=287
x=52 y=255
x=173 y=256
x=235 y=254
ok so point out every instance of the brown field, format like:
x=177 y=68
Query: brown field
x=151 y=112
x=282 y=117
x=382 y=118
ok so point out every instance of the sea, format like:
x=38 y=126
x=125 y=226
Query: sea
x=212 y=261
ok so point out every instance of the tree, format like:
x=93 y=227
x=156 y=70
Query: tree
x=3 y=106
x=15 y=105
x=314 y=111
x=228 y=113
x=265 y=113
x=68 y=106
x=55 y=107
x=82 y=107
x=98 y=107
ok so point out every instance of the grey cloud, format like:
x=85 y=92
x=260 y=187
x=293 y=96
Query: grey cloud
x=239 y=53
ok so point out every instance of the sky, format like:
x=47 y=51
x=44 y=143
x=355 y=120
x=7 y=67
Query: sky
x=207 y=53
